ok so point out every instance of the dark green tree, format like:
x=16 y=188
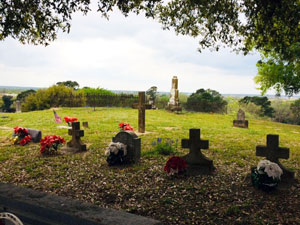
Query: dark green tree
x=243 y=24
x=206 y=101
x=21 y=97
x=263 y=102
x=7 y=102
x=69 y=83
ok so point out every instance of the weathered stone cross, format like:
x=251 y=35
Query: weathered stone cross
x=195 y=156
x=142 y=106
x=76 y=145
x=273 y=153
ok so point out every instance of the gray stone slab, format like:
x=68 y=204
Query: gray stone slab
x=48 y=207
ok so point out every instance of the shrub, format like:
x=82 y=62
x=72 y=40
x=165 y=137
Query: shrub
x=7 y=102
x=283 y=113
x=162 y=101
x=295 y=108
x=21 y=97
x=263 y=102
x=206 y=101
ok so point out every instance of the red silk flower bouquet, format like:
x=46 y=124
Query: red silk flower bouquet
x=125 y=126
x=50 y=144
x=70 y=120
x=21 y=136
x=175 y=165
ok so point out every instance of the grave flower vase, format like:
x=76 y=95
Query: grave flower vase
x=262 y=181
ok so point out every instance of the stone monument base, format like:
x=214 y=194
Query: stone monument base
x=240 y=123
x=174 y=108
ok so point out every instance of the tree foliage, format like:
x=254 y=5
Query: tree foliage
x=206 y=101
x=69 y=83
x=264 y=25
x=21 y=97
x=274 y=71
x=263 y=102
x=7 y=102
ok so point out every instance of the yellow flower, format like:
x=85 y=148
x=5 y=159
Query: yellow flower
x=14 y=140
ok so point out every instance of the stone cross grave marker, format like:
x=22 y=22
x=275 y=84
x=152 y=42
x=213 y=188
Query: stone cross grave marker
x=240 y=121
x=142 y=106
x=133 y=143
x=197 y=162
x=273 y=153
x=18 y=106
x=75 y=145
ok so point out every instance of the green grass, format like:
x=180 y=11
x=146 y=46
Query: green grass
x=144 y=188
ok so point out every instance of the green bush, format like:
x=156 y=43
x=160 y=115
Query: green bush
x=7 y=102
x=262 y=102
x=54 y=96
x=21 y=96
x=206 y=101
x=162 y=101
x=295 y=108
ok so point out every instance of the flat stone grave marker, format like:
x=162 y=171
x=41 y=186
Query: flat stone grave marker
x=75 y=145
x=142 y=106
x=196 y=161
x=240 y=121
x=133 y=143
x=273 y=153
x=85 y=124
x=35 y=134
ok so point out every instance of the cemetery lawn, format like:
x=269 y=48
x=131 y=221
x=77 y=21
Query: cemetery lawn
x=226 y=197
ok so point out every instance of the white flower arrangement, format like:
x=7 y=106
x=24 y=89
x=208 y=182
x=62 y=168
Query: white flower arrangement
x=115 y=147
x=270 y=168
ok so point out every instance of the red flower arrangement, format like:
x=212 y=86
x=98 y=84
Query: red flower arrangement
x=50 y=144
x=25 y=140
x=125 y=126
x=21 y=136
x=175 y=165
x=70 y=120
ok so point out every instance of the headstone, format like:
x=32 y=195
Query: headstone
x=75 y=145
x=273 y=153
x=35 y=134
x=240 y=121
x=173 y=104
x=85 y=124
x=133 y=143
x=196 y=161
x=18 y=106
x=141 y=106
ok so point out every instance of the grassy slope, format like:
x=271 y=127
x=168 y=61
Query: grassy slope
x=224 y=197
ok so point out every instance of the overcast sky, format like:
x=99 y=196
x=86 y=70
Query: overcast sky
x=131 y=53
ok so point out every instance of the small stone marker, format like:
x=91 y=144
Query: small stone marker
x=197 y=162
x=18 y=106
x=273 y=153
x=35 y=134
x=173 y=104
x=133 y=143
x=75 y=145
x=141 y=106
x=240 y=121
x=85 y=124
